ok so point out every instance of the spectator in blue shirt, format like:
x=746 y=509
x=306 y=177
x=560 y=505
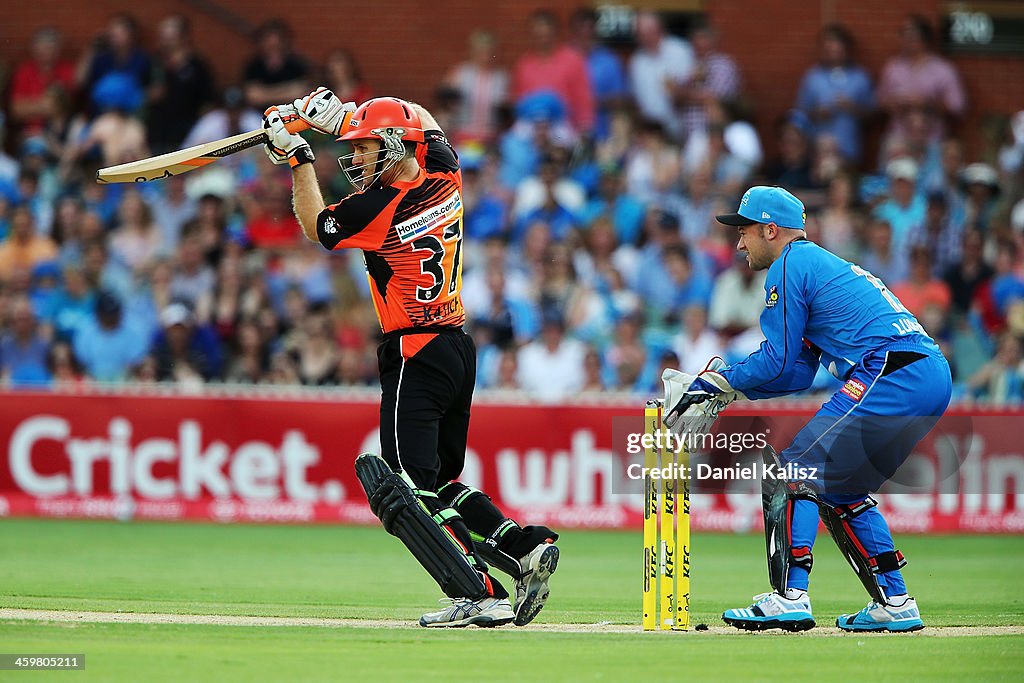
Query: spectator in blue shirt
x=905 y=209
x=71 y=305
x=23 y=349
x=607 y=75
x=836 y=93
x=107 y=344
x=625 y=211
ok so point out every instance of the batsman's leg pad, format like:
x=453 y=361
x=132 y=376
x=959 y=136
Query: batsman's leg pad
x=837 y=521
x=777 y=497
x=405 y=516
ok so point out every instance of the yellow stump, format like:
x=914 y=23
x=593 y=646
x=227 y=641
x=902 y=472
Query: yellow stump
x=650 y=605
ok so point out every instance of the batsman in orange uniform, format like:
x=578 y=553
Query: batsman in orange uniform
x=406 y=217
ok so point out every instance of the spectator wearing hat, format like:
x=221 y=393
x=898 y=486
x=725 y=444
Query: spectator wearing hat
x=980 y=183
x=186 y=352
x=661 y=64
x=24 y=248
x=548 y=66
x=836 y=93
x=904 y=209
x=23 y=348
x=540 y=128
x=107 y=344
x=34 y=79
x=116 y=135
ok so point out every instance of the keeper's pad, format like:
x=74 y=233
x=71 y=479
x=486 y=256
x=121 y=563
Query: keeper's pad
x=405 y=516
x=777 y=496
x=837 y=521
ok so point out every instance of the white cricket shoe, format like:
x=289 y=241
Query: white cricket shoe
x=772 y=610
x=462 y=612
x=532 y=586
x=875 y=617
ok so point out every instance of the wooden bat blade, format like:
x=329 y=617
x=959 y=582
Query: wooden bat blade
x=182 y=161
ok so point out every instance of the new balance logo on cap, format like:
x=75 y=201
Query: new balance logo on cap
x=764 y=204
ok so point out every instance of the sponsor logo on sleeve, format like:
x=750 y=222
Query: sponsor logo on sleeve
x=773 y=297
x=435 y=216
x=330 y=225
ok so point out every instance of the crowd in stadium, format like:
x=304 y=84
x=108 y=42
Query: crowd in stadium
x=591 y=181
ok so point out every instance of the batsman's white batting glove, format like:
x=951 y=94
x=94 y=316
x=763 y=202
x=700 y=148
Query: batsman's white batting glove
x=284 y=147
x=323 y=111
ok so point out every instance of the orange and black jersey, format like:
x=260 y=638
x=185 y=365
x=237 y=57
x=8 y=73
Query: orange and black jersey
x=411 y=236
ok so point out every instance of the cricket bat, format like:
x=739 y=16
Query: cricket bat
x=185 y=160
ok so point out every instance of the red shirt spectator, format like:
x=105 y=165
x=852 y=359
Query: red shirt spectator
x=558 y=68
x=31 y=104
x=922 y=291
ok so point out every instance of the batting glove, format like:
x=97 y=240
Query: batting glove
x=282 y=146
x=323 y=111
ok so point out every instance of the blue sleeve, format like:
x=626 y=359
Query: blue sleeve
x=798 y=379
x=782 y=322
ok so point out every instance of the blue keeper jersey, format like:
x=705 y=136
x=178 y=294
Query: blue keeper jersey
x=813 y=296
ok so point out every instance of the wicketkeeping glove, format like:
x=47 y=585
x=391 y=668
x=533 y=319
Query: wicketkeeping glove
x=282 y=146
x=323 y=111
x=709 y=384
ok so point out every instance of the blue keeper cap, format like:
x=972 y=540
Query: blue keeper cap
x=763 y=204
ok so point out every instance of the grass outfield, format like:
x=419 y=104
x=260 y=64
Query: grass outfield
x=361 y=573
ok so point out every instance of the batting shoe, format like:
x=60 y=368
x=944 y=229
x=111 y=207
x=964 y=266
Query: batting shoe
x=900 y=618
x=461 y=612
x=772 y=610
x=532 y=586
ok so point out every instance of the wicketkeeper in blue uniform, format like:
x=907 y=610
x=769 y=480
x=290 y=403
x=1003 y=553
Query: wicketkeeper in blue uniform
x=822 y=309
